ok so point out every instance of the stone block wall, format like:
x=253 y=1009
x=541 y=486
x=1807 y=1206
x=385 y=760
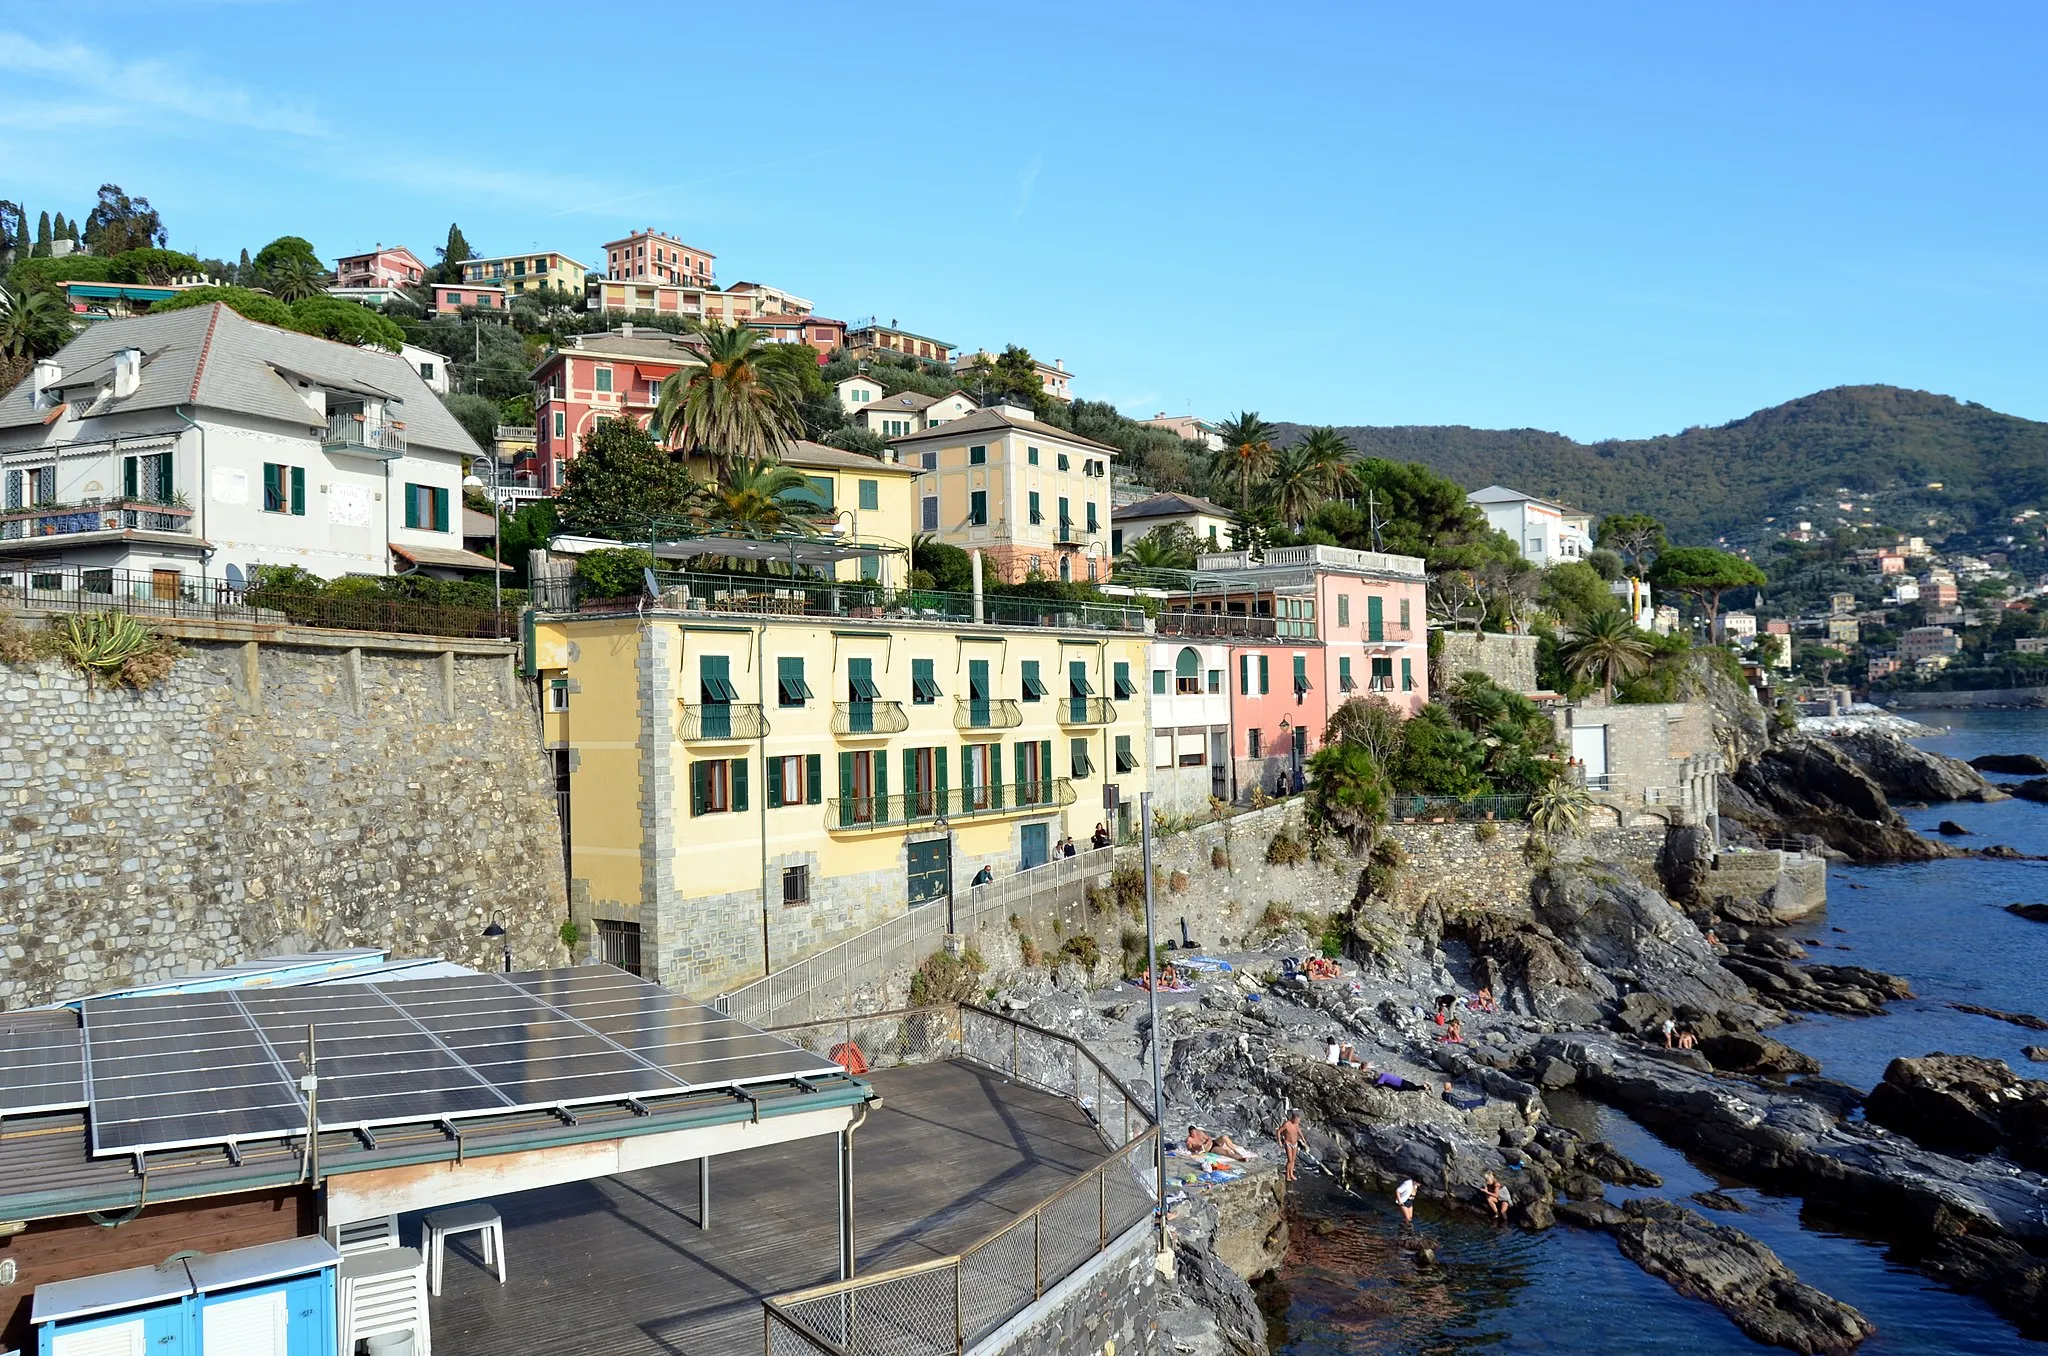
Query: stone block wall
x=1508 y=660
x=1110 y=1307
x=272 y=798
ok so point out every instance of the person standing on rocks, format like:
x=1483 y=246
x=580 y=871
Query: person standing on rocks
x=1404 y=1196
x=1670 y=1032
x=1290 y=1139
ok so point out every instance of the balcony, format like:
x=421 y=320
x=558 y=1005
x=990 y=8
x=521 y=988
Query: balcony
x=1388 y=635
x=1087 y=711
x=986 y=713
x=358 y=433
x=721 y=721
x=859 y=719
x=958 y=802
x=1231 y=625
x=94 y=515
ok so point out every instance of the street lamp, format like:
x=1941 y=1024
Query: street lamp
x=473 y=481
x=497 y=930
x=1287 y=731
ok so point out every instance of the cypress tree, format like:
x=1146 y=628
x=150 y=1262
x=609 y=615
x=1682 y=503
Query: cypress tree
x=43 y=234
x=245 y=273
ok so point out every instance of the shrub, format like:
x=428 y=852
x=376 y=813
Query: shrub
x=18 y=644
x=1383 y=867
x=1129 y=884
x=613 y=573
x=570 y=934
x=945 y=978
x=1286 y=850
x=1276 y=915
x=1331 y=938
x=1485 y=831
x=1177 y=882
x=114 y=648
x=1218 y=858
x=1083 y=950
x=1029 y=949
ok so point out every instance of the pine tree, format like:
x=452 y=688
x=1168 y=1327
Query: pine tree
x=61 y=229
x=43 y=234
x=452 y=255
x=245 y=272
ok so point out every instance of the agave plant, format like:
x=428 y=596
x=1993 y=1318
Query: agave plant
x=1562 y=809
x=113 y=648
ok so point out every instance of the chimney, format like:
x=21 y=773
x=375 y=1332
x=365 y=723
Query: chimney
x=44 y=382
x=127 y=372
x=626 y=330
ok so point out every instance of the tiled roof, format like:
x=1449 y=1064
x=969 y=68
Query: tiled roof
x=820 y=457
x=1170 y=506
x=991 y=419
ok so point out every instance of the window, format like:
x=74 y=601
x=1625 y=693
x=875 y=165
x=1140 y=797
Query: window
x=1344 y=683
x=1407 y=672
x=870 y=495
x=1382 y=675
x=1191 y=749
x=1343 y=609
x=455 y=298
x=1066 y=517
x=796 y=779
x=924 y=780
x=931 y=461
x=1031 y=455
x=790 y=687
x=1375 y=618
x=1078 y=685
x=558 y=694
x=1301 y=683
x=1254 y=742
x=1187 y=673
x=1124 y=687
x=977 y=509
x=1404 y=614
x=284 y=490
x=1244 y=675
x=815 y=492
x=1033 y=688
x=860 y=681
x=1063 y=461
x=1094 y=525
x=931 y=510
x=1159 y=682
x=561 y=425
x=518 y=268
x=618 y=943
x=796 y=885
x=981 y=774
x=977 y=456
x=871 y=567
x=1126 y=761
x=1077 y=751
x=863 y=788
x=718 y=786
x=147 y=477
x=426 y=371
x=1116 y=541
x=1264 y=685
x=1037 y=513
x=924 y=688
x=426 y=506
x=1215 y=682
x=1034 y=772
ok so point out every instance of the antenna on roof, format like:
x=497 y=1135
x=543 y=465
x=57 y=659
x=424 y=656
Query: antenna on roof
x=1372 y=518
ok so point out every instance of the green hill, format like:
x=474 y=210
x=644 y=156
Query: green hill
x=1789 y=461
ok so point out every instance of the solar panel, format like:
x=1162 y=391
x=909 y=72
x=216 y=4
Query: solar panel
x=42 y=1062
x=176 y=1070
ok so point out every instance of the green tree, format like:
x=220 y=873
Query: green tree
x=1607 y=564
x=61 y=229
x=1372 y=723
x=1572 y=591
x=296 y=280
x=32 y=325
x=758 y=498
x=621 y=481
x=1635 y=535
x=1562 y=809
x=478 y=416
x=530 y=529
x=284 y=250
x=152 y=266
x=245 y=272
x=1246 y=455
x=1706 y=575
x=1347 y=792
x=1168 y=548
x=119 y=223
x=736 y=405
x=817 y=404
x=453 y=255
x=346 y=322
x=1424 y=514
x=616 y=572
x=854 y=438
x=948 y=565
x=1608 y=649
x=1439 y=757
x=260 y=307
x=42 y=245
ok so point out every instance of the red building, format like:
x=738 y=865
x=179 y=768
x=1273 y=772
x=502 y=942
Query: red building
x=649 y=256
x=599 y=376
x=385 y=266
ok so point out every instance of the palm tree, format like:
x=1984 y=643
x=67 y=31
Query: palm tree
x=755 y=498
x=1607 y=647
x=1294 y=484
x=1561 y=809
x=297 y=279
x=31 y=324
x=733 y=408
x=1246 y=453
x=1332 y=459
x=1155 y=551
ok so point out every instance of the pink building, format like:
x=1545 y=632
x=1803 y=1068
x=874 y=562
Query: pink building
x=388 y=266
x=599 y=376
x=452 y=297
x=651 y=257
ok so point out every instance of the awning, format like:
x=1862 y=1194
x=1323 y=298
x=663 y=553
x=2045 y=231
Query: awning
x=445 y=558
x=787 y=552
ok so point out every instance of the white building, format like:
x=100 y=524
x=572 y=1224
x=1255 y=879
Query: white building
x=1546 y=533
x=1190 y=706
x=1738 y=625
x=1632 y=596
x=432 y=367
x=198 y=443
x=1210 y=522
x=906 y=412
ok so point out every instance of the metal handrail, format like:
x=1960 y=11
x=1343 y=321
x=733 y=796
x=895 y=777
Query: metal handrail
x=955 y=802
x=869 y=718
x=1087 y=711
x=721 y=720
x=986 y=713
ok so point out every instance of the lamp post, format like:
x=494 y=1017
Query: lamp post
x=473 y=481
x=497 y=930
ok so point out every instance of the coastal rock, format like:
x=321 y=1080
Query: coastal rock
x=2037 y=1053
x=2033 y=789
x=1903 y=770
x=2012 y=764
x=2033 y=913
x=1540 y=975
x=1964 y=1104
x=1777 y=980
x=1808 y=787
x=1623 y=927
x=1948 y=828
x=2025 y=1019
x=1707 y=1260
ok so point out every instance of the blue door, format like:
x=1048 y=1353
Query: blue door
x=1037 y=845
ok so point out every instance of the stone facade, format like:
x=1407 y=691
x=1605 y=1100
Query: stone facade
x=1508 y=660
x=1110 y=1307
x=347 y=791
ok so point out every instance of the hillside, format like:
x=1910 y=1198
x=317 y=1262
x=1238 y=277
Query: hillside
x=1787 y=461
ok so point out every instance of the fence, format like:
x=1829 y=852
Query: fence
x=171 y=594
x=1454 y=808
x=946 y=1306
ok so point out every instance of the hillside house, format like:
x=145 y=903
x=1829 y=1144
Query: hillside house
x=1545 y=532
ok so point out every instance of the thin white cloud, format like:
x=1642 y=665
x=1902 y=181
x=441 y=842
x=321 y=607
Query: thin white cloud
x=138 y=91
x=1027 y=179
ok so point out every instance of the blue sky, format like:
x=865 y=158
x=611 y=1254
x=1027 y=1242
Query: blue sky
x=1611 y=221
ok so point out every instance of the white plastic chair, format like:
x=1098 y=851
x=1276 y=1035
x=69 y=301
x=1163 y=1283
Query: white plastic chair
x=384 y=1290
x=366 y=1235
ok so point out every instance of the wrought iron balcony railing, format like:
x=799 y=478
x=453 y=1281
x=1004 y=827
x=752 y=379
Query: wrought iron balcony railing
x=1087 y=711
x=956 y=802
x=987 y=713
x=94 y=515
x=722 y=721
x=869 y=718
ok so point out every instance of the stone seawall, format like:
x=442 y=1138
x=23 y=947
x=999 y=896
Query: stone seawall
x=341 y=790
x=1958 y=701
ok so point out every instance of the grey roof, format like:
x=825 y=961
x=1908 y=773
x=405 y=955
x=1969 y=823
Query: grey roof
x=992 y=419
x=822 y=456
x=1170 y=506
x=907 y=400
x=210 y=358
x=1501 y=494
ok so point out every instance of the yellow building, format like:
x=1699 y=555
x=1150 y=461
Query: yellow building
x=747 y=788
x=1034 y=499
x=526 y=272
x=873 y=503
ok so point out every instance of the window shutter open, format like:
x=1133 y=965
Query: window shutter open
x=939 y=769
x=739 y=784
x=440 y=506
x=696 y=788
x=1023 y=777
x=129 y=477
x=1265 y=675
x=774 y=783
x=881 y=785
x=995 y=775
x=814 y=779
x=910 y=786
x=1244 y=675
x=1045 y=767
x=299 y=491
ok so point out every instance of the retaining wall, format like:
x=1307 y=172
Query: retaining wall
x=1110 y=1307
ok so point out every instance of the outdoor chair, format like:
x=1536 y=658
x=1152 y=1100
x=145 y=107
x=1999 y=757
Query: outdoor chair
x=367 y=1235
x=380 y=1292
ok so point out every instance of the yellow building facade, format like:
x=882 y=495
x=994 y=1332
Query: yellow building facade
x=526 y=272
x=873 y=503
x=743 y=791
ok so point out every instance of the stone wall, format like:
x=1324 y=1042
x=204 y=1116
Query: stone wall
x=314 y=791
x=1938 y=701
x=1508 y=660
x=1110 y=1307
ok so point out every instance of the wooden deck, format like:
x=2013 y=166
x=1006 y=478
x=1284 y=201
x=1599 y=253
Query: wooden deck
x=619 y=1266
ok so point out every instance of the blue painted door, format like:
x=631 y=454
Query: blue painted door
x=158 y=1331
x=1037 y=845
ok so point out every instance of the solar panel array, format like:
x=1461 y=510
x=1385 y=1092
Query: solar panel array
x=42 y=1063
x=173 y=1071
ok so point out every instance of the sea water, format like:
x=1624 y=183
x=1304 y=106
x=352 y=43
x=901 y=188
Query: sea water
x=1352 y=1283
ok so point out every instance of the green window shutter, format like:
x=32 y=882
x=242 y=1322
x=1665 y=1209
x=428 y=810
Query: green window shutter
x=814 y=779
x=696 y=788
x=129 y=477
x=299 y=491
x=977 y=679
x=1244 y=675
x=739 y=784
x=977 y=508
x=1343 y=609
x=1300 y=672
x=881 y=785
x=1044 y=791
x=924 y=688
x=1032 y=687
x=273 y=492
x=1077 y=679
x=1023 y=782
x=939 y=773
x=1344 y=673
x=1265 y=676
x=1407 y=676
x=995 y=775
x=440 y=503
x=774 y=783
x=1159 y=682
x=860 y=679
x=1375 y=618
x=846 y=789
x=910 y=786
x=1077 y=756
x=1123 y=679
x=164 y=488
x=870 y=494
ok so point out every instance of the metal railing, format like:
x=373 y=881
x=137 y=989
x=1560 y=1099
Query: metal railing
x=955 y=802
x=869 y=718
x=174 y=595
x=358 y=431
x=94 y=515
x=1221 y=624
x=722 y=720
x=1086 y=711
x=1506 y=808
x=950 y=1304
x=986 y=713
